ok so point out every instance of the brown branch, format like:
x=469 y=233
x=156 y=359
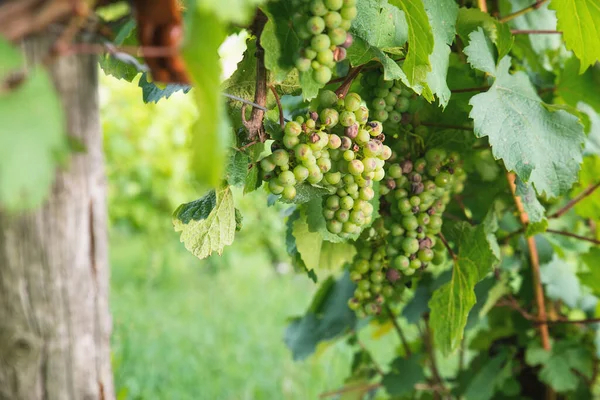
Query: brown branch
x=461 y=205
x=569 y=321
x=569 y=234
x=22 y=18
x=482 y=5
x=281 y=118
x=399 y=331
x=525 y=10
x=588 y=191
x=343 y=89
x=510 y=302
x=535 y=265
x=471 y=89
x=534 y=32
x=447 y=126
x=348 y=389
x=445 y=242
x=255 y=125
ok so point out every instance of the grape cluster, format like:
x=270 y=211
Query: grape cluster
x=391 y=101
x=333 y=146
x=324 y=25
x=415 y=194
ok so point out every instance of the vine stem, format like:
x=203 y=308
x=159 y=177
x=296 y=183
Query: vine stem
x=399 y=331
x=445 y=242
x=588 y=191
x=428 y=339
x=534 y=32
x=348 y=389
x=343 y=89
x=522 y=11
x=573 y=235
x=535 y=265
x=281 y=118
x=570 y=321
x=482 y=5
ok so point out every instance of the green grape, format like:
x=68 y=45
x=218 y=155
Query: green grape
x=320 y=42
x=293 y=128
x=289 y=192
x=329 y=117
x=267 y=165
x=318 y=7
x=315 y=25
x=347 y=118
x=322 y=74
x=352 y=102
x=286 y=178
x=333 y=178
x=362 y=114
x=303 y=152
x=425 y=255
x=303 y=64
x=327 y=98
x=332 y=19
x=342 y=215
x=275 y=187
x=410 y=245
x=280 y=157
x=349 y=13
x=337 y=36
x=290 y=141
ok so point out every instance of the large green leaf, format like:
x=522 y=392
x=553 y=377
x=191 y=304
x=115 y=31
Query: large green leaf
x=442 y=18
x=591 y=277
x=579 y=21
x=450 y=305
x=211 y=130
x=540 y=19
x=480 y=52
x=420 y=45
x=404 y=375
x=377 y=27
x=484 y=385
x=327 y=318
x=208 y=224
x=469 y=19
x=589 y=207
x=574 y=88
x=151 y=93
x=562 y=365
x=560 y=280
x=541 y=143
x=279 y=39
x=32 y=137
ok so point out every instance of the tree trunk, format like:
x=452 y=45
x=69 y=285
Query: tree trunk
x=54 y=316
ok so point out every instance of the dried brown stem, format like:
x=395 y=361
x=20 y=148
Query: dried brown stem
x=510 y=302
x=399 y=331
x=587 y=192
x=535 y=265
x=572 y=321
x=522 y=11
x=343 y=89
x=255 y=125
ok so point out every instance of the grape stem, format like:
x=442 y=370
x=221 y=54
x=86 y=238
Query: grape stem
x=482 y=5
x=281 y=118
x=534 y=32
x=535 y=265
x=588 y=191
x=522 y=11
x=399 y=331
x=573 y=235
x=428 y=340
x=345 y=86
x=445 y=242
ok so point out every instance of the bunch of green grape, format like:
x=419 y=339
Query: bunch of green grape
x=324 y=25
x=391 y=101
x=415 y=194
x=334 y=146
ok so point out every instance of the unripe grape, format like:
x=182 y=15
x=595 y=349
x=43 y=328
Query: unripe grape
x=267 y=165
x=356 y=167
x=377 y=276
x=362 y=115
x=315 y=25
x=314 y=174
x=395 y=171
x=324 y=164
x=303 y=64
x=322 y=74
x=275 y=187
x=346 y=203
x=310 y=53
x=342 y=215
x=415 y=264
x=289 y=192
x=410 y=245
x=332 y=19
x=334 y=4
x=293 y=128
x=329 y=117
x=337 y=36
x=333 y=202
x=366 y=193
x=352 y=102
x=290 y=141
x=317 y=7
x=378 y=174
x=347 y=118
x=378 y=104
x=357 y=217
x=325 y=57
x=410 y=222
x=362 y=137
x=394 y=117
x=381 y=115
x=435 y=222
x=333 y=178
x=425 y=255
x=287 y=178
x=334 y=141
x=345 y=25
x=303 y=152
x=349 y=13
x=320 y=42
x=327 y=98
x=280 y=157
x=443 y=179
x=402 y=104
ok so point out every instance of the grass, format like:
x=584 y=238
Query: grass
x=186 y=329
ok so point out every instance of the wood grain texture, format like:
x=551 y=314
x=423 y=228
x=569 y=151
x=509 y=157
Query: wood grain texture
x=54 y=316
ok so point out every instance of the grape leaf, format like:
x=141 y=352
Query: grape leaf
x=442 y=16
x=574 y=88
x=243 y=81
x=561 y=282
x=32 y=138
x=480 y=52
x=483 y=384
x=404 y=375
x=591 y=278
x=579 y=21
x=111 y=64
x=151 y=93
x=207 y=224
x=450 y=305
x=541 y=144
x=237 y=168
x=327 y=318
x=279 y=39
x=559 y=363
x=306 y=192
x=469 y=19
x=420 y=46
x=589 y=207
x=378 y=27
x=538 y=222
x=211 y=130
